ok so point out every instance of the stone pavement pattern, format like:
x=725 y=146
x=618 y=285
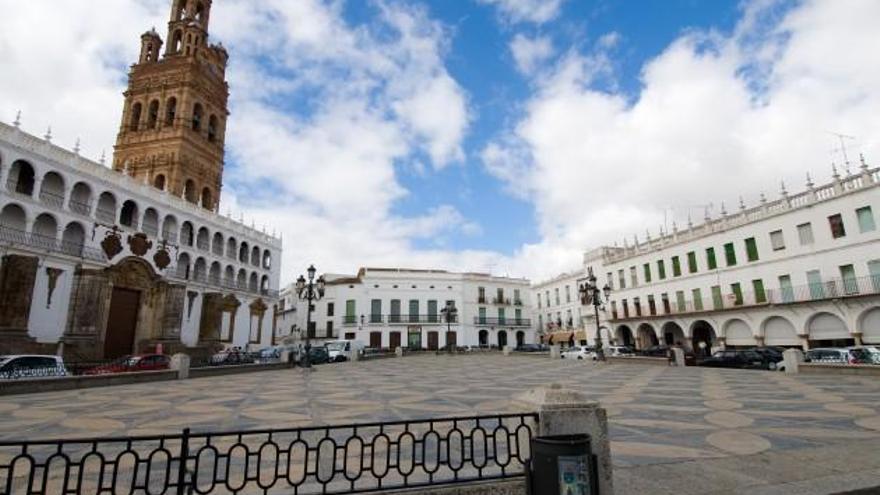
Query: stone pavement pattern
x=658 y=415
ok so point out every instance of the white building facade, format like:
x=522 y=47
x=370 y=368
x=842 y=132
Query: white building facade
x=800 y=271
x=108 y=265
x=558 y=310
x=387 y=308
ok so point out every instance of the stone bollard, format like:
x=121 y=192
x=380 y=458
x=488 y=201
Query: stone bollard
x=678 y=354
x=355 y=356
x=398 y=351
x=568 y=412
x=507 y=350
x=180 y=362
x=554 y=352
x=286 y=357
x=792 y=359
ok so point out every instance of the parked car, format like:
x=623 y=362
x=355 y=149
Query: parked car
x=342 y=350
x=231 y=357
x=833 y=355
x=13 y=367
x=578 y=352
x=269 y=354
x=619 y=350
x=532 y=348
x=127 y=364
x=319 y=355
x=873 y=353
x=747 y=359
x=655 y=351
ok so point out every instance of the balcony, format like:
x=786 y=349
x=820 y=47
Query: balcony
x=829 y=289
x=481 y=300
x=517 y=302
x=52 y=199
x=502 y=322
x=20 y=238
x=80 y=207
x=500 y=301
x=436 y=319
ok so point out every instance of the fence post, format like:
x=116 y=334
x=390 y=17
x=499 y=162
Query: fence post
x=181 y=363
x=182 y=479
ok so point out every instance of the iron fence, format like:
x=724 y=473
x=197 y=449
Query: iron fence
x=52 y=244
x=356 y=458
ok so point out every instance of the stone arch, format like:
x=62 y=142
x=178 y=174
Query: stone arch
x=243 y=251
x=207 y=198
x=189 y=191
x=135 y=117
x=133 y=273
x=80 y=198
x=778 y=331
x=703 y=337
x=502 y=338
x=21 y=178
x=197 y=116
x=159 y=182
x=229 y=276
x=624 y=336
x=241 y=279
x=45 y=231
x=106 y=210
x=217 y=244
x=187 y=234
x=646 y=336
x=170 y=111
x=73 y=239
x=200 y=270
x=673 y=334
x=827 y=330
x=869 y=325
x=203 y=239
x=255 y=256
x=128 y=216
x=212 y=128
x=183 y=262
x=520 y=338
x=153 y=115
x=169 y=229
x=150 y=223
x=52 y=189
x=483 y=338
x=176 y=41
x=13 y=219
x=264 y=284
x=737 y=332
x=267 y=259
x=214 y=273
x=231 y=247
x=253 y=282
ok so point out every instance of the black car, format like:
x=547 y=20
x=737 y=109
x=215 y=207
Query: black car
x=738 y=359
x=318 y=355
x=531 y=348
x=655 y=351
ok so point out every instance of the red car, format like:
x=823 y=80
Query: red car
x=126 y=364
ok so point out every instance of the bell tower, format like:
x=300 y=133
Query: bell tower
x=174 y=118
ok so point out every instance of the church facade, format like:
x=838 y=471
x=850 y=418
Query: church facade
x=98 y=262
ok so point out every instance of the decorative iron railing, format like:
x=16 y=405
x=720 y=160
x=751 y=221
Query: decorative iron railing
x=52 y=199
x=502 y=322
x=357 y=458
x=80 y=207
x=48 y=243
x=435 y=319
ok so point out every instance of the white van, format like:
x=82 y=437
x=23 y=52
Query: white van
x=341 y=350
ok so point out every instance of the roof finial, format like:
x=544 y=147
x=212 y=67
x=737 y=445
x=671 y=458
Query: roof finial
x=782 y=190
x=809 y=181
x=706 y=214
x=76 y=147
x=48 y=136
x=674 y=227
x=834 y=172
x=763 y=197
x=723 y=210
x=864 y=165
x=690 y=222
x=742 y=204
x=103 y=157
x=17 y=122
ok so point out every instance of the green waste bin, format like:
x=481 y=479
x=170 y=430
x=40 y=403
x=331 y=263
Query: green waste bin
x=562 y=465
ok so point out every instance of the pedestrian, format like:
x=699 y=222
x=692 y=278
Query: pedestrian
x=670 y=355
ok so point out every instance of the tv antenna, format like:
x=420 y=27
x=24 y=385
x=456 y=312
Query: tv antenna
x=843 y=139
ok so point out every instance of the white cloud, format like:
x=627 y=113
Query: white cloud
x=717 y=116
x=536 y=11
x=529 y=53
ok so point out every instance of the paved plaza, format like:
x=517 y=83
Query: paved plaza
x=659 y=416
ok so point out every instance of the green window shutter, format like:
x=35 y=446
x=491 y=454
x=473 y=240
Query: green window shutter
x=866 y=219
x=679 y=301
x=729 y=254
x=676 y=267
x=785 y=288
x=698 y=299
x=647 y=268
x=737 y=293
x=692 y=262
x=760 y=294
x=710 y=259
x=814 y=280
x=751 y=249
x=717 y=298
x=376 y=311
x=661 y=270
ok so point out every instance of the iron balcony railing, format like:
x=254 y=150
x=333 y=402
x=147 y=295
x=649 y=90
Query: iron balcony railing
x=502 y=321
x=501 y=301
x=420 y=319
x=203 y=245
x=105 y=215
x=52 y=199
x=79 y=207
x=207 y=279
x=357 y=458
x=25 y=188
x=828 y=289
x=21 y=238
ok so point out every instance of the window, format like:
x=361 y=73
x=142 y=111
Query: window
x=613 y=310
x=661 y=269
x=516 y=299
x=432 y=312
x=729 y=254
x=785 y=288
x=692 y=262
x=567 y=294
x=638 y=305
x=836 y=224
x=874 y=270
x=330 y=308
x=777 y=240
x=376 y=311
x=547 y=297
x=499 y=295
x=652 y=305
x=394 y=317
x=539 y=300
x=805 y=233
x=482 y=312
x=647 y=267
x=698 y=299
x=517 y=314
x=679 y=301
x=711 y=263
x=676 y=267
x=329 y=329
x=621 y=279
x=760 y=293
x=717 y=298
x=664 y=298
x=414 y=310
x=633 y=276
x=736 y=289
x=866 y=219
x=556 y=295
x=850 y=284
x=625 y=308
x=609 y=279
x=814 y=280
x=481 y=295
x=751 y=249
x=350 y=311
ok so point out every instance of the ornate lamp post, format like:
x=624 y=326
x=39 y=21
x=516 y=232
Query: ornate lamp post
x=449 y=313
x=592 y=294
x=309 y=291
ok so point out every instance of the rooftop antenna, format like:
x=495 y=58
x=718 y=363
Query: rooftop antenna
x=842 y=138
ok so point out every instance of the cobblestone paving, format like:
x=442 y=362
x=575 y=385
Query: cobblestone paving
x=657 y=414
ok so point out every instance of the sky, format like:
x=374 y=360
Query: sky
x=502 y=136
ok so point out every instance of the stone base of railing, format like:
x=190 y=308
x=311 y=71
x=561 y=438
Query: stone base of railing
x=501 y=487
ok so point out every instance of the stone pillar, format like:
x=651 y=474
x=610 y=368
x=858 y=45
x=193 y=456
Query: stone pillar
x=678 y=354
x=507 y=350
x=355 y=355
x=791 y=359
x=398 y=351
x=555 y=351
x=180 y=362
x=857 y=336
x=567 y=412
x=805 y=342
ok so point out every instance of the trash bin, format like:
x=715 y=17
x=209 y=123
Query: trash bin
x=562 y=465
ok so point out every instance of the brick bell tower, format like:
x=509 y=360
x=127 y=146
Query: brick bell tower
x=175 y=113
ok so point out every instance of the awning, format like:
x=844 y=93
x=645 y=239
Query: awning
x=559 y=337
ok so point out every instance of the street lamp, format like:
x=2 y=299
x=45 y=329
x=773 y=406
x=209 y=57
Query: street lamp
x=449 y=313
x=592 y=294
x=309 y=291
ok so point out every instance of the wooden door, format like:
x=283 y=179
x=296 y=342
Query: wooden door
x=433 y=341
x=451 y=340
x=376 y=340
x=395 y=340
x=121 y=323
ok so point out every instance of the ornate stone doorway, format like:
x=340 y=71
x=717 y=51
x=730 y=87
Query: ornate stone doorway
x=121 y=323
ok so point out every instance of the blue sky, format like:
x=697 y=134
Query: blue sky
x=480 y=135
